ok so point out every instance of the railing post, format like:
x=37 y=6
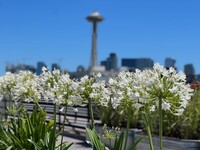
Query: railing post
x=5 y=108
x=88 y=112
x=75 y=119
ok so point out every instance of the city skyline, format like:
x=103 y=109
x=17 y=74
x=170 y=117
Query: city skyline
x=57 y=32
x=111 y=63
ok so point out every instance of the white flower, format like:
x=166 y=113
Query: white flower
x=137 y=105
x=153 y=108
x=85 y=78
x=58 y=87
x=160 y=83
x=165 y=105
x=114 y=102
x=92 y=88
x=174 y=89
x=44 y=69
x=75 y=109
x=111 y=81
x=179 y=112
x=26 y=87
x=62 y=109
x=99 y=75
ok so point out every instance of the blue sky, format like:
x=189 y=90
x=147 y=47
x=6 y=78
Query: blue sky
x=56 y=31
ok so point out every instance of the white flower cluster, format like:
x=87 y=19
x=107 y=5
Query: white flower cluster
x=53 y=86
x=122 y=90
x=145 y=88
x=166 y=84
x=94 y=89
x=128 y=90
x=58 y=87
x=19 y=87
x=26 y=87
x=7 y=83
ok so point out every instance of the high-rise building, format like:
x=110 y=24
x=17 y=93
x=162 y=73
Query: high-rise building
x=137 y=63
x=10 y=68
x=111 y=63
x=20 y=67
x=30 y=68
x=169 y=62
x=103 y=63
x=189 y=69
x=40 y=64
x=55 y=66
x=190 y=73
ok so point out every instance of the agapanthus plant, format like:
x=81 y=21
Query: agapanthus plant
x=60 y=89
x=125 y=96
x=151 y=89
x=93 y=90
x=27 y=87
x=7 y=83
x=17 y=88
x=165 y=90
x=166 y=85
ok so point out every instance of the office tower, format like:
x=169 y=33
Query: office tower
x=55 y=66
x=190 y=73
x=137 y=63
x=39 y=67
x=10 y=68
x=169 y=62
x=20 y=67
x=111 y=63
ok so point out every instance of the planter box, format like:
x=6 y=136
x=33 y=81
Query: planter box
x=168 y=144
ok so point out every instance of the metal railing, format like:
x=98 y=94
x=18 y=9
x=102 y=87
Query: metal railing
x=76 y=121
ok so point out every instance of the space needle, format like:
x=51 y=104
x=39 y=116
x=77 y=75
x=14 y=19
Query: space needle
x=94 y=18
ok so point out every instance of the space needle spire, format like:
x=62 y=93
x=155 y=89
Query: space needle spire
x=94 y=18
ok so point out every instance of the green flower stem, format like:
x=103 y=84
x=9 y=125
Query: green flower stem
x=63 y=126
x=91 y=113
x=150 y=138
x=38 y=104
x=54 y=123
x=147 y=124
x=110 y=142
x=127 y=129
x=160 y=123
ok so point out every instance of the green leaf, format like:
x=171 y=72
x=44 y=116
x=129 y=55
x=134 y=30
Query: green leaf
x=136 y=143
x=65 y=146
x=95 y=140
x=9 y=148
x=119 y=142
x=15 y=140
x=3 y=143
x=28 y=132
x=35 y=144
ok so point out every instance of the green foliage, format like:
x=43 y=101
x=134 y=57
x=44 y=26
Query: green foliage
x=133 y=146
x=119 y=142
x=29 y=132
x=96 y=143
x=95 y=140
x=117 y=117
x=186 y=126
x=110 y=134
x=189 y=122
